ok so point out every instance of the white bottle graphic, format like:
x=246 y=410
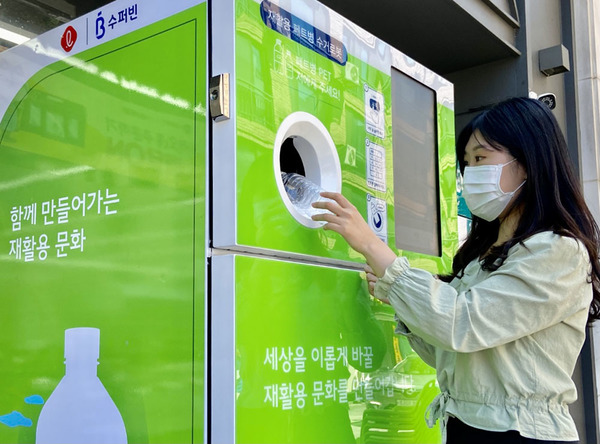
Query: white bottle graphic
x=80 y=410
x=278 y=57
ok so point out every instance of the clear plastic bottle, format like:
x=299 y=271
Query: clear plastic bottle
x=302 y=193
x=80 y=410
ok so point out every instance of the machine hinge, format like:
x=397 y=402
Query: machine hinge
x=218 y=96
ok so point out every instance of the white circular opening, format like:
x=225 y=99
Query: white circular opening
x=317 y=154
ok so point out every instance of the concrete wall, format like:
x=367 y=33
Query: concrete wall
x=484 y=85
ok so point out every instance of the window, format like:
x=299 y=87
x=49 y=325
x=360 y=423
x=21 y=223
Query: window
x=416 y=183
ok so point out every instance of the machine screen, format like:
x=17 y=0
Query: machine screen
x=416 y=201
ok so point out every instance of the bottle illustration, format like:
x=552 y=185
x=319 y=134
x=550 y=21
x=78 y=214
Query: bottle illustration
x=278 y=57
x=289 y=66
x=80 y=410
x=302 y=193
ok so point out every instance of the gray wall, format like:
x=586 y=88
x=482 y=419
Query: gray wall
x=586 y=25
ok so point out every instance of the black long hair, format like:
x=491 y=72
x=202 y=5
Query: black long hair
x=552 y=195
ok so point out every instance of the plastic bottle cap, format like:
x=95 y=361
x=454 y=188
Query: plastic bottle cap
x=82 y=343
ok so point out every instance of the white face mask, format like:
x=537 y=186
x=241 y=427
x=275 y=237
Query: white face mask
x=482 y=192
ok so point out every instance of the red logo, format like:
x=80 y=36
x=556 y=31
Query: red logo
x=68 y=39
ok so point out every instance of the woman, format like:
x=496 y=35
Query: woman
x=504 y=330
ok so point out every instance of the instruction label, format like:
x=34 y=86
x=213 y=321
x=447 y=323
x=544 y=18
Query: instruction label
x=375 y=165
x=377 y=216
x=374 y=112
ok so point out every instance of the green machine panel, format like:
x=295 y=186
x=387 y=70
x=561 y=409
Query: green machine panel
x=102 y=204
x=317 y=360
x=313 y=95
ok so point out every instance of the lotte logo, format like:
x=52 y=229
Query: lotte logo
x=68 y=39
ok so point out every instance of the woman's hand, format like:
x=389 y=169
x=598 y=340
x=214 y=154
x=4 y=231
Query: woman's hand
x=371 y=281
x=344 y=218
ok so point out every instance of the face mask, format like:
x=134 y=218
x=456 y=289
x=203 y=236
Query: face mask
x=482 y=192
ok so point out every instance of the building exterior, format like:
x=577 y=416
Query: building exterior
x=586 y=24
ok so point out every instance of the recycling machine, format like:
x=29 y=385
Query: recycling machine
x=159 y=282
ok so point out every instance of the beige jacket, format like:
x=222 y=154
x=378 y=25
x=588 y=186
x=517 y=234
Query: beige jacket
x=504 y=343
